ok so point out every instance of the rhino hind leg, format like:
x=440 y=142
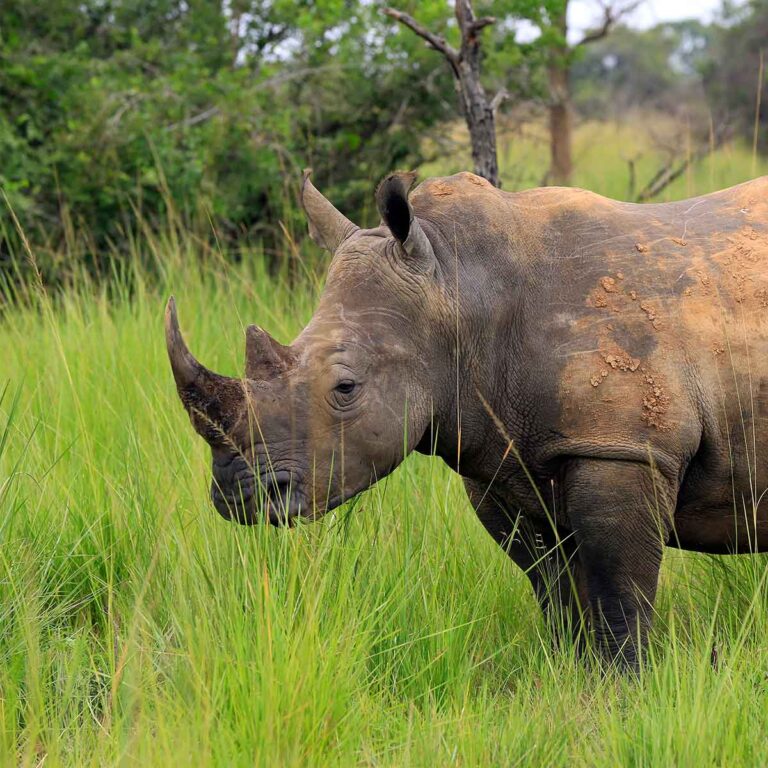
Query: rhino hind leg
x=548 y=556
x=619 y=511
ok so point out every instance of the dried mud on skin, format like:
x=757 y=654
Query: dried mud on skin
x=611 y=295
x=655 y=404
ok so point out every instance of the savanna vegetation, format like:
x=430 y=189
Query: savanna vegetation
x=110 y=110
x=150 y=148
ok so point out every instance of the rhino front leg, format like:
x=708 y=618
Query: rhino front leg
x=547 y=556
x=619 y=511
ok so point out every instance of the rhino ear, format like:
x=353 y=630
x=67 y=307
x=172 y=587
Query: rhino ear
x=397 y=213
x=328 y=227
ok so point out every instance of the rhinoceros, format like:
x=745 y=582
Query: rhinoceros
x=596 y=371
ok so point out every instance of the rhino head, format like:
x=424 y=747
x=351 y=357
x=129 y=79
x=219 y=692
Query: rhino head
x=314 y=423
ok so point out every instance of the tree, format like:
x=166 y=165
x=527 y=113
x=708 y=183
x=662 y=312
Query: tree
x=552 y=19
x=478 y=109
x=650 y=69
x=202 y=110
x=736 y=71
x=551 y=53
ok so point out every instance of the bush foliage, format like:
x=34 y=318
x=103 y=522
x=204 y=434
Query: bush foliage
x=208 y=110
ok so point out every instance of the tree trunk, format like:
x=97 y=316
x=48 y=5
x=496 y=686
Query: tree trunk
x=560 y=125
x=558 y=72
x=478 y=109
x=478 y=114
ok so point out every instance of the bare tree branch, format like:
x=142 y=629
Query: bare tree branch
x=482 y=23
x=600 y=32
x=501 y=95
x=468 y=24
x=437 y=42
x=201 y=117
x=611 y=16
x=670 y=172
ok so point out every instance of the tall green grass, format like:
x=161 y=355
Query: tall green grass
x=137 y=627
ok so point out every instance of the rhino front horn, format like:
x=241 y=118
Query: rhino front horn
x=186 y=370
x=214 y=402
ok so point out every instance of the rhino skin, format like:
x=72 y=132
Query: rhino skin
x=596 y=371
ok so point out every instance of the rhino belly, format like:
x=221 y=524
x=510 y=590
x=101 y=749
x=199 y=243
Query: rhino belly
x=723 y=500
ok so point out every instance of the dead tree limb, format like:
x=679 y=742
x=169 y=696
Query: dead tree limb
x=631 y=161
x=477 y=108
x=438 y=42
x=612 y=15
x=501 y=96
x=668 y=174
x=672 y=171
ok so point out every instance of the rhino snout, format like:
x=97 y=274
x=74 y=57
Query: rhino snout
x=238 y=495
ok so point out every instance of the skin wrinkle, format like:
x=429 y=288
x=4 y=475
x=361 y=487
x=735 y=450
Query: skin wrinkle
x=530 y=298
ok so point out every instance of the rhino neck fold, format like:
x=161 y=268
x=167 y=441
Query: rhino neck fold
x=475 y=413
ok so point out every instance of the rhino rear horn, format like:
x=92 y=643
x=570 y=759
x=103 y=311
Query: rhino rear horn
x=397 y=213
x=214 y=402
x=328 y=227
x=264 y=357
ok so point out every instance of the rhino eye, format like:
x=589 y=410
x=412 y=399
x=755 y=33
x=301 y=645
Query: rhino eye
x=344 y=394
x=346 y=387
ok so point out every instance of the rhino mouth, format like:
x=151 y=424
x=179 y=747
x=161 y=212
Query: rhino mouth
x=239 y=496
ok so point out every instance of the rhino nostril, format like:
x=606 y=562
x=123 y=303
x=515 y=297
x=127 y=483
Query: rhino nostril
x=277 y=487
